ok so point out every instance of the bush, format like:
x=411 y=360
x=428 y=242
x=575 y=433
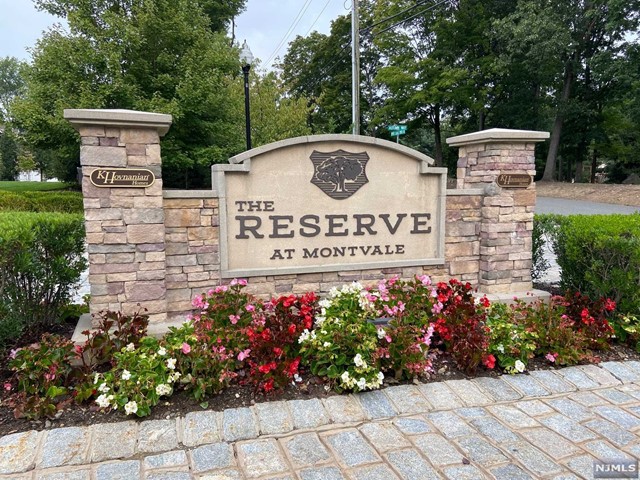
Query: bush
x=61 y=202
x=41 y=260
x=600 y=257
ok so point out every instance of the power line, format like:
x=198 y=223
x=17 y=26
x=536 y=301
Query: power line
x=410 y=18
x=386 y=19
x=318 y=17
x=295 y=23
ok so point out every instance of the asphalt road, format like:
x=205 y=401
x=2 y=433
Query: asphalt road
x=564 y=206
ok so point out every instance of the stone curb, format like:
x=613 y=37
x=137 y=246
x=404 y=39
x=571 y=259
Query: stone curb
x=127 y=448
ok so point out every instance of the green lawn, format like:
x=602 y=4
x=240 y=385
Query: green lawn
x=33 y=186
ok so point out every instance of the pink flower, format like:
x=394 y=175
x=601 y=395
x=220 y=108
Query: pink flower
x=387 y=338
x=13 y=353
x=234 y=319
x=244 y=354
x=221 y=289
x=250 y=308
x=7 y=386
x=198 y=302
x=401 y=306
x=551 y=357
x=233 y=282
x=186 y=348
x=425 y=280
x=242 y=282
x=437 y=308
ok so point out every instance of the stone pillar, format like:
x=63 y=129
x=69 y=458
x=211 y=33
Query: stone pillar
x=507 y=213
x=125 y=226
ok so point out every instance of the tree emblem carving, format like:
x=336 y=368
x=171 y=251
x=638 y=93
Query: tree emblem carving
x=339 y=174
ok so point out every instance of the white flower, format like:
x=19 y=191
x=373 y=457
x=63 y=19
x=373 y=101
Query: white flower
x=163 y=389
x=162 y=351
x=359 y=362
x=103 y=388
x=345 y=377
x=131 y=407
x=126 y=374
x=304 y=336
x=96 y=377
x=362 y=383
x=500 y=348
x=297 y=378
x=324 y=303
x=171 y=363
x=173 y=377
x=130 y=347
x=381 y=333
x=326 y=344
x=103 y=401
x=519 y=366
x=380 y=377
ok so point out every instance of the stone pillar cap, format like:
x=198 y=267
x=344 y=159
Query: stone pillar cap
x=495 y=135
x=119 y=118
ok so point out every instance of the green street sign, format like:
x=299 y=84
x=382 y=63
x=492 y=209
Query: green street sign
x=397 y=130
x=393 y=128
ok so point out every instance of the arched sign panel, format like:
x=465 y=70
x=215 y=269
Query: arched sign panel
x=329 y=203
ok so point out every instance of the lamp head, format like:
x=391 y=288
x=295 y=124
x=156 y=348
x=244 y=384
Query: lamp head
x=246 y=57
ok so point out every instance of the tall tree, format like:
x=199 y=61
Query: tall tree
x=584 y=30
x=11 y=85
x=152 y=55
x=8 y=156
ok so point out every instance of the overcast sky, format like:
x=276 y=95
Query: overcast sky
x=263 y=24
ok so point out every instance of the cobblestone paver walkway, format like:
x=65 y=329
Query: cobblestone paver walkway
x=546 y=425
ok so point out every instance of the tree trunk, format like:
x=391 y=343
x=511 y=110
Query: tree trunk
x=554 y=143
x=594 y=165
x=438 y=135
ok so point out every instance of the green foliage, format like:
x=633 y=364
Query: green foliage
x=161 y=56
x=62 y=202
x=627 y=330
x=512 y=343
x=342 y=346
x=139 y=378
x=44 y=374
x=11 y=85
x=600 y=257
x=41 y=259
x=8 y=156
x=33 y=186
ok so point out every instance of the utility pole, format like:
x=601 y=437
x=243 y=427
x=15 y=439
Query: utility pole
x=355 y=70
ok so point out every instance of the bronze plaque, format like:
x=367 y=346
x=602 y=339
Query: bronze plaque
x=122 y=177
x=514 y=180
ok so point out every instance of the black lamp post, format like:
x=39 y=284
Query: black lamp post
x=246 y=57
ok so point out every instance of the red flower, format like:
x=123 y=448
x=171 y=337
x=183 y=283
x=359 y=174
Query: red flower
x=268 y=385
x=292 y=329
x=264 y=368
x=489 y=361
x=277 y=351
x=609 y=305
x=292 y=369
x=484 y=301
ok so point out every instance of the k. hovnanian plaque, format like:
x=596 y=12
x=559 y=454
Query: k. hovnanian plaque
x=329 y=203
x=122 y=177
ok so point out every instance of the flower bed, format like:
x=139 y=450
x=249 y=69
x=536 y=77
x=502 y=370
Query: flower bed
x=234 y=338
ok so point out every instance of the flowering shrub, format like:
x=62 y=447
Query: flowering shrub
x=138 y=379
x=590 y=318
x=461 y=325
x=511 y=342
x=627 y=330
x=114 y=331
x=206 y=365
x=223 y=313
x=343 y=344
x=558 y=340
x=273 y=355
x=43 y=376
x=409 y=302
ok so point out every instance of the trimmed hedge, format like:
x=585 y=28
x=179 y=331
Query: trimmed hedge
x=599 y=255
x=62 y=202
x=41 y=260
